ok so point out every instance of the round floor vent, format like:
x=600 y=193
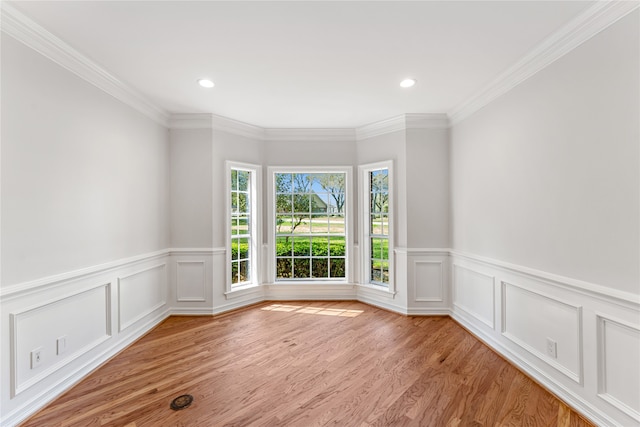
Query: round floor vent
x=181 y=402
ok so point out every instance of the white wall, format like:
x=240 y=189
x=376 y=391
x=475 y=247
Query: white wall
x=84 y=178
x=428 y=188
x=546 y=225
x=85 y=208
x=191 y=188
x=547 y=176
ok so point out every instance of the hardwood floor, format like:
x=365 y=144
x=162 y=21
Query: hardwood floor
x=308 y=364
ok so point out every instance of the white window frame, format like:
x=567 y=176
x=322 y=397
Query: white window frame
x=348 y=218
x=255 y=226
x=365 y=217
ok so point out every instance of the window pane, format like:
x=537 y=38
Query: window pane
x=301 y=203
x=315 y=204
x=284 y=268
x=320 y=246
x=284 y=203
x=301 y=183
x=301 y=268
x=241 y=226
x=320 y=267
x=319 y=224
x=379 y=226
x=243 y=248
x=243 y=180
x=337 y=246
x=234 y=179
x=283 y=246
x=234 y=272
x=337 y=267
x=336 y=224
x=385 y=272
x=234 y=202
x=283 y=183
x=244 y=271
x=243 y=202
x=301 y=246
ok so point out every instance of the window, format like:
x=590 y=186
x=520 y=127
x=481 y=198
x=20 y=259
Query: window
x=310 y=225
x=243 y=230
x=377 y=224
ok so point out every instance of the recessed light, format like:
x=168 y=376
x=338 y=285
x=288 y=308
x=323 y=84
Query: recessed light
x=407 y=82
x=206 y=83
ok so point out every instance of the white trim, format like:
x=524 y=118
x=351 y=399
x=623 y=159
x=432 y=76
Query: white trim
x=491 y=323
x=580 y=29
x=15 y=317
x=274 y=134
x=25 y=30
x=243 y=291
x=255 y=195
x=191 y=121
x=600 y=292
x=578 y=377
x=415 y=282
x=402 y=123
x=196 y=251
x=365 y=220
x=236 y=127
x=24 y=288
x=202 y=285
x=163 y=302
x=601 y=320
x=49 y=393
x=553 y=385
x=348 y=222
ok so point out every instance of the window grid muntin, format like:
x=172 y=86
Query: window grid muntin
x=379 y=226
x=300 y=205
x=241 y=191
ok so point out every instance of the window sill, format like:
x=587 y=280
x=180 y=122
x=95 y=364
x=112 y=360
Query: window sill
x=382 y=291
x=240 y=291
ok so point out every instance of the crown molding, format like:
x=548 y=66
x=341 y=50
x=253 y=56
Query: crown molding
x=275 y=134
x=190 y=121
x=403 y=122
x=236 y=127
x=26 y=31
x=392 y=124
x=580 y=29
x=426 y=121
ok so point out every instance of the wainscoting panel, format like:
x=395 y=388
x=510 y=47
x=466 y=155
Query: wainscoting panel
x=190 y=280
x=618 y=367
x=140 y=294
x=474 y=293
x=76 y=321
x=428 y=281
x=544 y=326
x=60 y=330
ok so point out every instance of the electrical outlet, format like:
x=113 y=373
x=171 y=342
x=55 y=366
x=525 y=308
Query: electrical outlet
x=36 y=357
x=552 y=348
x=61 y=344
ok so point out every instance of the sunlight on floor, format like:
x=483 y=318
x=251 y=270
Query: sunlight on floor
x=313 y=310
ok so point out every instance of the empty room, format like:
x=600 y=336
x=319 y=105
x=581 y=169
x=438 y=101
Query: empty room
x=301 y=213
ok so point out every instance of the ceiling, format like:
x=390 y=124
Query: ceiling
x=302 y=64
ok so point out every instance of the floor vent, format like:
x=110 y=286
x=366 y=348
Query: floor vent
x=181 y=402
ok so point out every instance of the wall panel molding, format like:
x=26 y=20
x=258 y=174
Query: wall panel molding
x=23 y=289
x=434 y=290
x=618 y=352
x=536 y=313
x=132 y=297
x=478 y=300
x=31 y=323
x=190 y=281
x=603 y=293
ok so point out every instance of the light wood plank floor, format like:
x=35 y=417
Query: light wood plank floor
x=308 y=364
